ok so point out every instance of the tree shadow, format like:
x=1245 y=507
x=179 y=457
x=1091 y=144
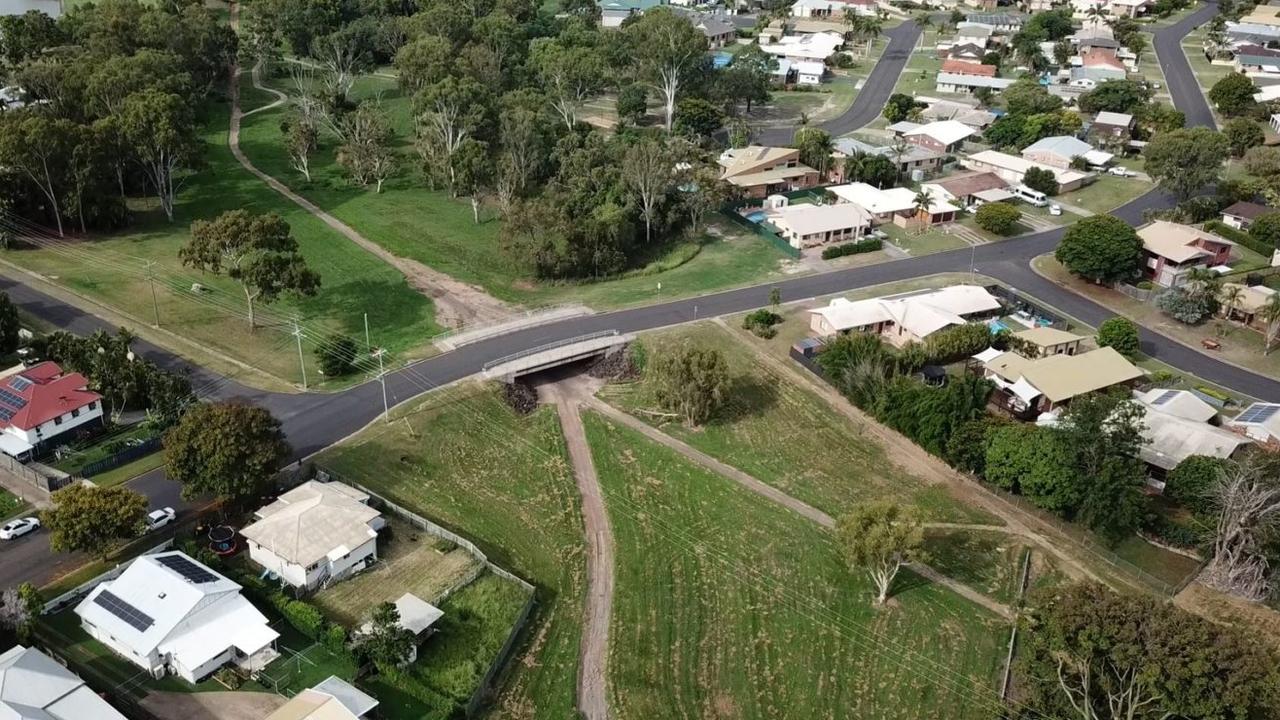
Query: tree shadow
x=748 y=396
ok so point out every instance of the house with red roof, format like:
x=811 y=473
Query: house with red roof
x=41 y=404
x=961 y=67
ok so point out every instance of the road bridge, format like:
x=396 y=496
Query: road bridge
x=555 y=354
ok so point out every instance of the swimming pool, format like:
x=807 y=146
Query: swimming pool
x=757 y=217
x=996 y=326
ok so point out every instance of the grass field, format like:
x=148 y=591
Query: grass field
x=463 y=459
x=10 y=504
x=110 y=271
x=129 y=471
x=408 y=562
x=990 y=562
x=1107 y=193
x=728 y=606
x=428 y=226
x=786 y=436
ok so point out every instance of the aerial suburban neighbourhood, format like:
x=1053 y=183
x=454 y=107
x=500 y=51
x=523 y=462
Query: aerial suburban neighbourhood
x=639 y=359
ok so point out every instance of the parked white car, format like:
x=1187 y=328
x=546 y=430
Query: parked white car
x=1121 y=171
x=157 y=519
x=15 y=529
x=1055 y=209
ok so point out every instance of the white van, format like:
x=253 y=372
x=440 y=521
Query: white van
x=1030 y=197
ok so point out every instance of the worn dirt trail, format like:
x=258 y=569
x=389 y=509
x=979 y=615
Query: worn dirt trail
x=457 y=304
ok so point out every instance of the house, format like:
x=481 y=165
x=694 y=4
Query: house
x=809 y=72
x=1170 y=250
x=1251 y=32
x=914 y=157
x=959 y=67
x=813 y=46
x=957 y=110
x=417 y=616
x=1112 y=125
x=896 y=205
x=1177 y=426
x=966 y=52
x=804 y=226
x=41 y=406
x=975 y=33
x=962 y=83
x=1013 y=169
x=1099 y=65
x=614 y=12
x=1260 y=421
x=1060 y=150
x=315 y=534
x=1042 y=341
x=760 y=171
x=906 y=318
x=1029 y=386
x=831 y=9
x=974 y=187
x=1260 y=64
x=169 y=614
x=945 y=136
x=333 y=699
x=715 y=27
x=33 y=686
x=1241 y=215
x=1248 y=307
x=1000 y=22
x=1115 y=8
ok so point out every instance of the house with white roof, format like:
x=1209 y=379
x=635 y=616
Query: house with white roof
x=1060 y=150
x=315 y=534
x=1171 y=250
x=945 y=136
x=169 y=614
x=1260 y=421
x=896 y=205
x=813 y=46
x=1014 y=169
x=950 y=82
x=809 y=72
x=831 y=9
x=805 y=226
x=907 y=318
x=1177 y=426
x=33 y=686
x=332 y=699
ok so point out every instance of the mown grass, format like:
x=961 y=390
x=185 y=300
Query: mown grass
x=10 y=504
x=729 y=606
x=412 y=221
x=464 y=459
x=786 y=436
x=110 y=270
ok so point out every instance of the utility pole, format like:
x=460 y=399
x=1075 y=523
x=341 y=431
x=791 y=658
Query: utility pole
x=367 y=346
x=151 y=280
x=297 y=333
x=382 y=378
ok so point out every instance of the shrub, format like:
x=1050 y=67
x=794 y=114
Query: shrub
x=1266 y=229
x=1041 y=179
x=1200 y=209
x=1169 y=532
x=229 y=678
x=865 y=245
x=1119 y=334
x=337 y=356
x=761 y=323
x=1239 y=236
x=335 y=639
x=957 y=342
x=1190 y=308
x=998 y=217
x=1188 y=483
x=305 y=618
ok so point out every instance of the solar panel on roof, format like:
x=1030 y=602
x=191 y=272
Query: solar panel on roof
x=6 y=414
x=136 y=619
x=187 y=569
x=20 y=383
x=1165 y=397
x=1258 y=413
x=8 y=397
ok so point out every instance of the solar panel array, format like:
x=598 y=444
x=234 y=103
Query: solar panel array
x=1165 y=397
x=10 y=404
x=20 y=383
x=136 y=619
x=1258 y=413
x=187 y=569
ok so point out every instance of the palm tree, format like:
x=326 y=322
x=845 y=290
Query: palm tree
x=899 y=148
x=924 y=22
x=923 y=201
x=1230 y=296
x=872 y=26
x=1202 y=282
x=1270 y=313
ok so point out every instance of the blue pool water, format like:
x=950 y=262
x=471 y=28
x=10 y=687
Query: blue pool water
x=996 y=326
x=757 y=216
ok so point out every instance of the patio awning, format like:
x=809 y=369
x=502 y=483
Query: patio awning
x=988 y=355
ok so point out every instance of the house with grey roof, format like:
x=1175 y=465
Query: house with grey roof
x=33 y=686
x=1060 y=150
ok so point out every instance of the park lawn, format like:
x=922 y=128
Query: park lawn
x=408 y=562
x=430 y=227
x=1106 y=193
x=988 y=561
x=729 y=606
x=784 y=435
x=462 y=458
x=210 y=327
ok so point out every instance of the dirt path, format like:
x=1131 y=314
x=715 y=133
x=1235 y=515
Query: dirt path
x=212 y=705
x=457 y=304
x=802 y=508
x=593 y=700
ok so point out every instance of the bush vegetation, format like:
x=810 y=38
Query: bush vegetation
x=858 y=247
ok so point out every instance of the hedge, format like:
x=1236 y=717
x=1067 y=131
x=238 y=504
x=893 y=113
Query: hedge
x=854 y=248
x=1239 y=236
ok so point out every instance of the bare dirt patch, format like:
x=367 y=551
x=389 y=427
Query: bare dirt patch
x=212 y=705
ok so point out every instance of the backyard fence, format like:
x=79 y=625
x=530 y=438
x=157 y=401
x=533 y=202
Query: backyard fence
x=45 y=481
x=128 y=455
x=1019 y=302
x=123 y=696
x=75 y=594
x=1137 y=293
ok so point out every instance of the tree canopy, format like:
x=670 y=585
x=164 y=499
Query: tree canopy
x=1233 y=94
x=1101 y=248
x=1120 y=334
x=690 y=381
x=94 y=519
x=227 y=450
x=879 y=538
x=1185 y=161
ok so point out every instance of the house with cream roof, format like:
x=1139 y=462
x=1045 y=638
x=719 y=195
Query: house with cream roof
x=907 y=318
x=1171 y=250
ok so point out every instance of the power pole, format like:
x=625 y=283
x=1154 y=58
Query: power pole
x=151 y=280
x=297 y=333
x=367 y=346
x=382 y=378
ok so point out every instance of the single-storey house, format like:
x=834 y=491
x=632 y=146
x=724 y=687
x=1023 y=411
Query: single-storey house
x=332 y=699
x=957 y=83
x=1177 y=426
x=315 y=534
x=959 y=67
x=1170 y=250
x=832 y=9
x=33 y=686
x=1044 y=341
x=1252 y=32
x=809 y=72
x=1000 y=22
x=1249 y=305
x=170 y=614
x=813 y=46
x=965 y=52
x=1241 y=215
x=1029 y=386
x=1060 y=150
x=804 y=226
x=945 y=136
x=896 y=205
x=957 y=110
x=914 y=157
x=1099 y=66
x=52 y=8
x=975 y=33
x=715 y=27
x=1260 y=421
x=1256 y=64
x=974 y=187
x=41 y=405
x=907 y=318
x=614 y=12
x=1013 y=169
x=760 y=171
x=1113 y=125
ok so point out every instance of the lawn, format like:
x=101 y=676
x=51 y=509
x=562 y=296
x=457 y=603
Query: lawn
x=210 y=326
x=729 y=606
x=101 y=448
x=463 y=459
x=10 y=504
x=932 y=240
x=1106 y=193
x=129 y=471
x=408 y=562
x=1206 y=72
x=990 y=562
x=440 y=232
x=784 y=435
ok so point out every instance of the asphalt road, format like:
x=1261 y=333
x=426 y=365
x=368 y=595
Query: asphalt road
x=315 y=421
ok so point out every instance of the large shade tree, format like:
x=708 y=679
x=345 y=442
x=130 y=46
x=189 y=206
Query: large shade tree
x=228 y=450
x=879 y=539
x=668 y=52
x=1102 y=248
